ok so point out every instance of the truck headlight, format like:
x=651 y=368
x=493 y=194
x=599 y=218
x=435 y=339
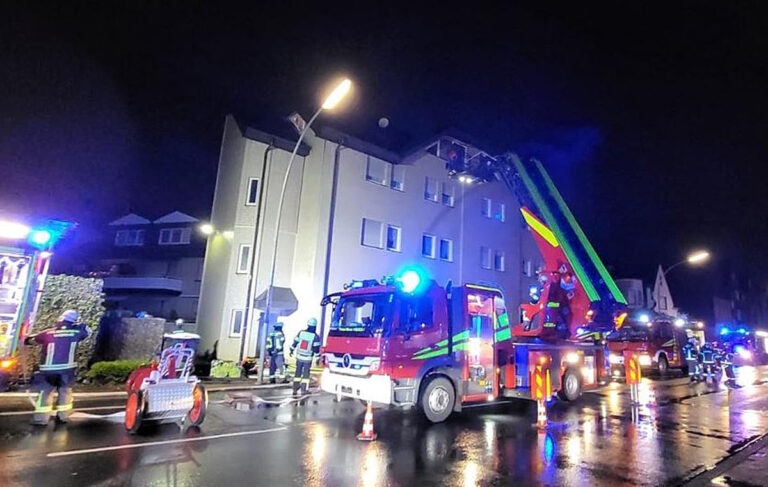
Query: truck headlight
x=614 y=359
x=645 y=360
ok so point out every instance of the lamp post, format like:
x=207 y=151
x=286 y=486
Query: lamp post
x=694 y=258
x=331 y=101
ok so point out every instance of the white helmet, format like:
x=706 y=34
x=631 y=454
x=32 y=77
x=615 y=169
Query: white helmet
x=70 y=316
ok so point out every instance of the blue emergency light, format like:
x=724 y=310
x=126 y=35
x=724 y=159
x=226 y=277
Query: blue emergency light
x=411 y=279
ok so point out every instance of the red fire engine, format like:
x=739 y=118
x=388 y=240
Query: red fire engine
x=25 y=251
x=407 y=341
x=658 y=340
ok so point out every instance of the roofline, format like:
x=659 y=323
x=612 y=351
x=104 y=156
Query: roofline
x=257 y=135
x=333 y=135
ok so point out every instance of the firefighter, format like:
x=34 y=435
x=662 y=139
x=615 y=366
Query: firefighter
x=725 y=361
x=708 y=362
x=691 y=354
x=56 y=370
x=308 y=344
x=275 y=346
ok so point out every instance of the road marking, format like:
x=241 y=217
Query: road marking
x=156 y=443
x=93 y=408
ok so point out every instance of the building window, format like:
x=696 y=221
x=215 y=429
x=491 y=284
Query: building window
x=393 y=238
x=398 y=177
x=252 y=197
x=663 y=303
x=430 y=189
x=500 y=213
x=428 y=246
x=236 y=323
x=376 y=172
x=527 y=268
x=244 y=259
x=129 y=238
x=372 y=233
x=174 y=236
x=485 y=257
x=446 y=249
x=486 y=207
x=498 y=261
x=449 y=194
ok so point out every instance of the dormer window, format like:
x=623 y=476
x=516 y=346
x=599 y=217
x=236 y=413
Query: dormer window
x=129 y=238
x=174 y=236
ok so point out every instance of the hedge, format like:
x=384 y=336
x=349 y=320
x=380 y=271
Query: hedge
x=114 y=371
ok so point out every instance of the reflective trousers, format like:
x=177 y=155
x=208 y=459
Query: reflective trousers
x=301 y=377
x=276 y=367
x=46 y=383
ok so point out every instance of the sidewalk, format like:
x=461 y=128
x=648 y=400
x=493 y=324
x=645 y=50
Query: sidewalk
x=747 y=468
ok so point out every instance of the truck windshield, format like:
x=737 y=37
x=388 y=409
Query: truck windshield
x=363 y=315
x=629 y=334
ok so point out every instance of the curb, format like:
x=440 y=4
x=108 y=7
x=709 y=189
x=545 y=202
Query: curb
x=86 y=395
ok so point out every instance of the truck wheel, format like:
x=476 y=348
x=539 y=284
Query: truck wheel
x=196 y=415
x=134 y=412
x=437 y=399
x=663 y=366
x=570 y=387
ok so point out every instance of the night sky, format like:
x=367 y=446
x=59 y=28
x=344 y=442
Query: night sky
x=650 y=117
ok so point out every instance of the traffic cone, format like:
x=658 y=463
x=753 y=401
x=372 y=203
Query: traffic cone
x=541 y=421
x=367 y=434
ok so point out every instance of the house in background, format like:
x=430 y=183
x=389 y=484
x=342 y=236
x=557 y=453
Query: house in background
x=657 y=299
x=353 y=210
x=151 y=266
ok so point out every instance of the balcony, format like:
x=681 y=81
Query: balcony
x=143 y=284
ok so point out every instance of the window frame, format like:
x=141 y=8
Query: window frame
x=232 y=315
x=501 y=216
x=433 y=246
x=184 y=236
x=486 y=209
x=137 y=241
x=499 y=254
x=382 y=243
x=397 y=168
x=427 y=180
x=248 y=191
x=386 y=178
x=527 y=268
x=239 y=267
x=450 y=249
x=452 y=194
x=489 y=260
x=398 y=244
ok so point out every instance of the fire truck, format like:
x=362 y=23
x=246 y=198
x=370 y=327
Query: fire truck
x=25 y=253
x=409 y=341
x=658 y=340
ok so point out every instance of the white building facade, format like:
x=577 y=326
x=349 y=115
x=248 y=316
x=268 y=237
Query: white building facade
x=352 y=211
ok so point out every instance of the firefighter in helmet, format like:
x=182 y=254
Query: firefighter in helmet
x=275 y=346
x=306 y=345
x=691 y=354
x=56 y=370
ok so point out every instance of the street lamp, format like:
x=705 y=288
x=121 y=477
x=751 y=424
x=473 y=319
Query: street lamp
x=330 y=102
x=206 y=229
x=694 y=258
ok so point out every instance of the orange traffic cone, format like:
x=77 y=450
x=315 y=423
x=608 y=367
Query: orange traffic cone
x=367 y=434
x=541 y=421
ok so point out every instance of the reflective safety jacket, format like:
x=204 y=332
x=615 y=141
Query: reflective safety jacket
x=690 y=352
x=707 y=354
x=275 y=342
x=307 y=345
x=60 y=346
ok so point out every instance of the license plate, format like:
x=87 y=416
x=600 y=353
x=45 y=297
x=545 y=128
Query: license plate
x=346 y=389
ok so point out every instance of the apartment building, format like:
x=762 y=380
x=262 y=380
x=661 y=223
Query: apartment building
x=353 y=210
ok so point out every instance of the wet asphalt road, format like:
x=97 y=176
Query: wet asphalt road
x=599 y=440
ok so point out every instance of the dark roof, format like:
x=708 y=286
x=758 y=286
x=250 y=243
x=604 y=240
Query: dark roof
x=278 y=132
